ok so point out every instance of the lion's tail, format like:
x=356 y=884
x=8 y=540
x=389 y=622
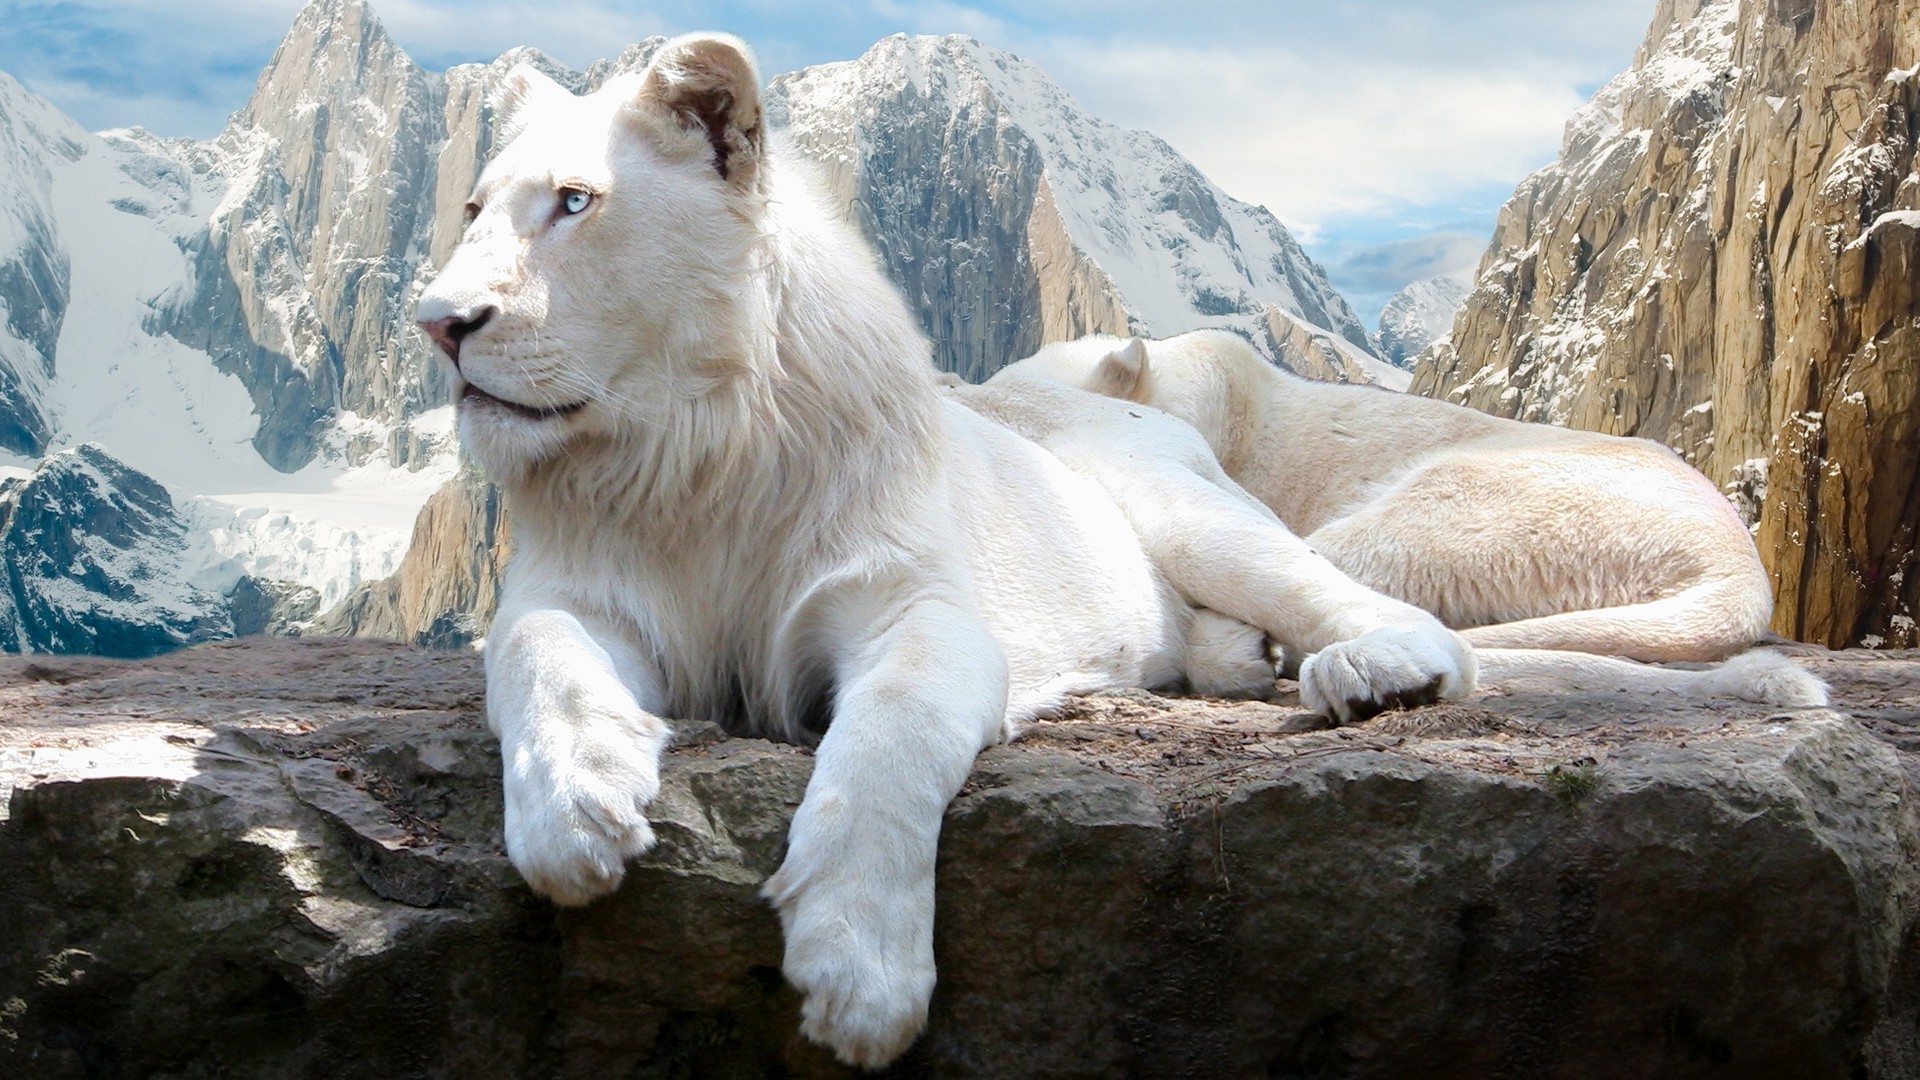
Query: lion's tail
x=1758 y=675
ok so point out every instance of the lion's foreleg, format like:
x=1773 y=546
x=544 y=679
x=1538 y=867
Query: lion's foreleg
x=580 y=743
x=916 y=703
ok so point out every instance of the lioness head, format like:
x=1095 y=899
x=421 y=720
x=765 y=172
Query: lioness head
x=607 y=256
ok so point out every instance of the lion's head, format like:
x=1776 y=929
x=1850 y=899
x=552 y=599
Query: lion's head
x=606 y=268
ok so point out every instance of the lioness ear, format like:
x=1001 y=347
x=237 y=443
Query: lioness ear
x=1122 y=372
x=709 y=83
x=523 y=86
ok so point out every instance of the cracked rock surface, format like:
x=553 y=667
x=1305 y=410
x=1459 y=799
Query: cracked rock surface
x=282 y=858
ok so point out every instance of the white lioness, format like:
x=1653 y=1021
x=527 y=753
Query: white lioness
x=738 y=496
x=1523 y=536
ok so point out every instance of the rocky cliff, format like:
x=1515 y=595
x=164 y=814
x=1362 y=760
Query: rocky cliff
x=442 y=595
x=1723 y=259
x=301 y=277
x=277 y=858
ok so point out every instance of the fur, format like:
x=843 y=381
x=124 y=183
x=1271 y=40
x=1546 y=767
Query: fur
x=1522 y=536
x=740 y=494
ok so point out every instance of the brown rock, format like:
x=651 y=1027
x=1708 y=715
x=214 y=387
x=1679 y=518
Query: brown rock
x=443 y=594
x=1722 y=260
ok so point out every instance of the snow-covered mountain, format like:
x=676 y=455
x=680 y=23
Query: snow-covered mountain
x=302 y=262
x=94 y=558
x=230 y=319
x=35 y=139
x=1419 y=315
x=102 y=233
x=1011 y=217
x=1726 y=258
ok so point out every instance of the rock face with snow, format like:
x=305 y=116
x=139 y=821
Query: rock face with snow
x=1010 y=217
x=33 y=261
x=442 y=595
x=1418 y=316
x=302 y=276
x=1726 y=258
x=92 y=553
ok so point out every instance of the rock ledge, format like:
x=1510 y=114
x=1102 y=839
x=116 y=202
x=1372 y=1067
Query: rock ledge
x=282 y=858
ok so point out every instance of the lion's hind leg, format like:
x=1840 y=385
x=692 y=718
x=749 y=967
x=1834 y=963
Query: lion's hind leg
x=1758 y=675
x=1708 y=621
x=1223 y=551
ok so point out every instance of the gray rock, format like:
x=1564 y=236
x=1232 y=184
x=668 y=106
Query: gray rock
x=282 y=858
x=442 y=594
x=266 y=606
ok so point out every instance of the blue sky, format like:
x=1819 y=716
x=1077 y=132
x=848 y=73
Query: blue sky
x=1386 y=133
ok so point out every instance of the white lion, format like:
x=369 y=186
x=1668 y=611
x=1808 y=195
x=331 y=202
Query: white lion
x=738 y=496
x=1523 y=536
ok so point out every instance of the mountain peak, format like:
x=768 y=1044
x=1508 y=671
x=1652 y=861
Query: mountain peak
x=1080 y=226
x=334 y=46
x=335 y=13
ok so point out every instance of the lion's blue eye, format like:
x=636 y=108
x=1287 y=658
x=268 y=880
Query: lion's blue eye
x=574 y=200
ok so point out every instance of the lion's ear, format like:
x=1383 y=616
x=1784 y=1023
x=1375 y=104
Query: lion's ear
x=523 y=86
x=1122 y=372
x=709 y=83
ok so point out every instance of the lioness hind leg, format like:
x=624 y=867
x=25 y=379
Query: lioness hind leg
x=1709 y=621
x=1758 y=675
x=1222 y=550
x=1623 y=553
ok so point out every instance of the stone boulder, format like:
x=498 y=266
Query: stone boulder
x=282 y=858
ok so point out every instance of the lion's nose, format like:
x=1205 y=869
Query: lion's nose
x=448 y=331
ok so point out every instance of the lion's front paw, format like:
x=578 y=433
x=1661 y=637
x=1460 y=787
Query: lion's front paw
x=1387 y=668
x=861 y=954
x=576 y=798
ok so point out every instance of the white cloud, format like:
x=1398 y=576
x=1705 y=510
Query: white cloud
x=1326 y=138
x=1385 y=268
x=574 y=33
x=942 y=17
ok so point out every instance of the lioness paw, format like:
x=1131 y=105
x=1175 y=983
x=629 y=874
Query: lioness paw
x=576 y=803
x=1386 y=668
x=867 y=1016
x=861 y=957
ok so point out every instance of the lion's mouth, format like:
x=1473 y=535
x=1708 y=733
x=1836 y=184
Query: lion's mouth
x=473 y=395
